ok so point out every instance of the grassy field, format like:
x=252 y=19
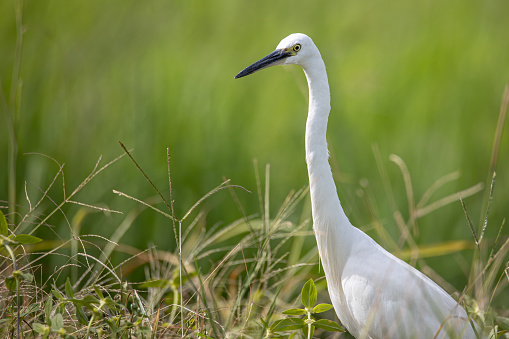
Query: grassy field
x=421 y=80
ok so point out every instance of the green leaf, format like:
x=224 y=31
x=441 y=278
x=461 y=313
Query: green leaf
x=32 y=308
x=321 y=308
x=10 y=283
x=308 y=294
x=273 y=304
x=98 y=292
x=57 y=322
x=26 y=276
x=158 y=283
x=288 y=324
x=328 y=325
x=494 y=332
x=57 y=294
x=26 y=239
x=264 y=323
x=112 y=323
x=40 y=328
x=503 y=323
x=113 y=304
x=294 y=311
x=82 y=317
x=185 y=278
x=87 y=301
x=48 y=305
x=4 y=228
x=68 y=289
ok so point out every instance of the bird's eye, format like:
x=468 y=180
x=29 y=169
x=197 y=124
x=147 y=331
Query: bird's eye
x=296 y=48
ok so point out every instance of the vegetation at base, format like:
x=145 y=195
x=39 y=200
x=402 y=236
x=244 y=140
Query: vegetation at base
x=308 y=324
x=245 y=293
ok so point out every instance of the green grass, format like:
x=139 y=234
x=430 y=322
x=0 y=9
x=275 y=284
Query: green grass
x=228 y=281
x=421 y=80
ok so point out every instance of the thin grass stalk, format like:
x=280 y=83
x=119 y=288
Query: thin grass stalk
x=485 y=223
x=267 y=215
x=115 y=238
x=222 y=186
x=67 y=199
x=204 y=300
x=496 y=240
x=75 y=232
x=144 y=174
x=21 y=225
x=240 y=207
x=180 y=279
x=178 y=237
x=506 y=270
x=422 y=211
x=409 y=191
x=435 y=186
x=259 y=187
x=15 y=268
x=266 y=210
x=497 y=139
x=245 y=286
x=15 y=91
x=384 y=176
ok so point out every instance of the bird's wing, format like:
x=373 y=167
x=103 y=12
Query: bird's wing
x=389 y=297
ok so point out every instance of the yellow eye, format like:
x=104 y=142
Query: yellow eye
x=296 y=48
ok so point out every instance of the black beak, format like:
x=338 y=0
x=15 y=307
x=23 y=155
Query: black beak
x=274 y=58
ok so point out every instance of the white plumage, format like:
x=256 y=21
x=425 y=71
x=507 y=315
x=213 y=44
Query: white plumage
x=374 y=294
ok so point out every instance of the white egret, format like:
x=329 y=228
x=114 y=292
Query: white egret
x=374 y=294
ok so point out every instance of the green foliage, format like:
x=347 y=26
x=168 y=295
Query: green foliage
x=13 y=281
x=308 y=294
x=4 y=229
x=8 y=243
x=306 y=325
x=99 y=314
x=178 y=299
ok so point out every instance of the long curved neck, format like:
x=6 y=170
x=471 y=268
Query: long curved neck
x=328 y=216
x=318 y=115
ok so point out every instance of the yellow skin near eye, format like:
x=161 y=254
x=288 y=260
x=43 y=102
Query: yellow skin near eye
x=293 y=50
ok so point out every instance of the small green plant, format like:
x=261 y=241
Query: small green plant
x=96 y=312
x=7 y=242
x=13 y=281
x=307 y=324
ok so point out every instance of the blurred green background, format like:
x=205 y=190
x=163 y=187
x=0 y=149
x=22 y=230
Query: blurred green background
x=420 y=79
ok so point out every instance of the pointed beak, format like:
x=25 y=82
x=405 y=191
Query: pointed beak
x=275 y=58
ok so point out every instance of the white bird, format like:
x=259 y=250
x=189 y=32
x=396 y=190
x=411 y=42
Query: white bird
x=374 y=294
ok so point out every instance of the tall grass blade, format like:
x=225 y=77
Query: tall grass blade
x=470 y=223
x=500 y=127
x=485 y=224
x=409 y=190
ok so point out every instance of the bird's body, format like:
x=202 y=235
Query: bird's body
x=374 y=294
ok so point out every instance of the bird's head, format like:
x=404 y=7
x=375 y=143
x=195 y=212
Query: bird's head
x=295 y=49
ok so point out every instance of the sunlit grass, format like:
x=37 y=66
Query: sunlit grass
x=229 y=281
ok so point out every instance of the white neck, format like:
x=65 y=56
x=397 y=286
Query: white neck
x=329 y=218
x=318 y=114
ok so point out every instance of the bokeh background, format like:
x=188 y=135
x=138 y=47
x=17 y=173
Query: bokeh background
x=420 y=79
